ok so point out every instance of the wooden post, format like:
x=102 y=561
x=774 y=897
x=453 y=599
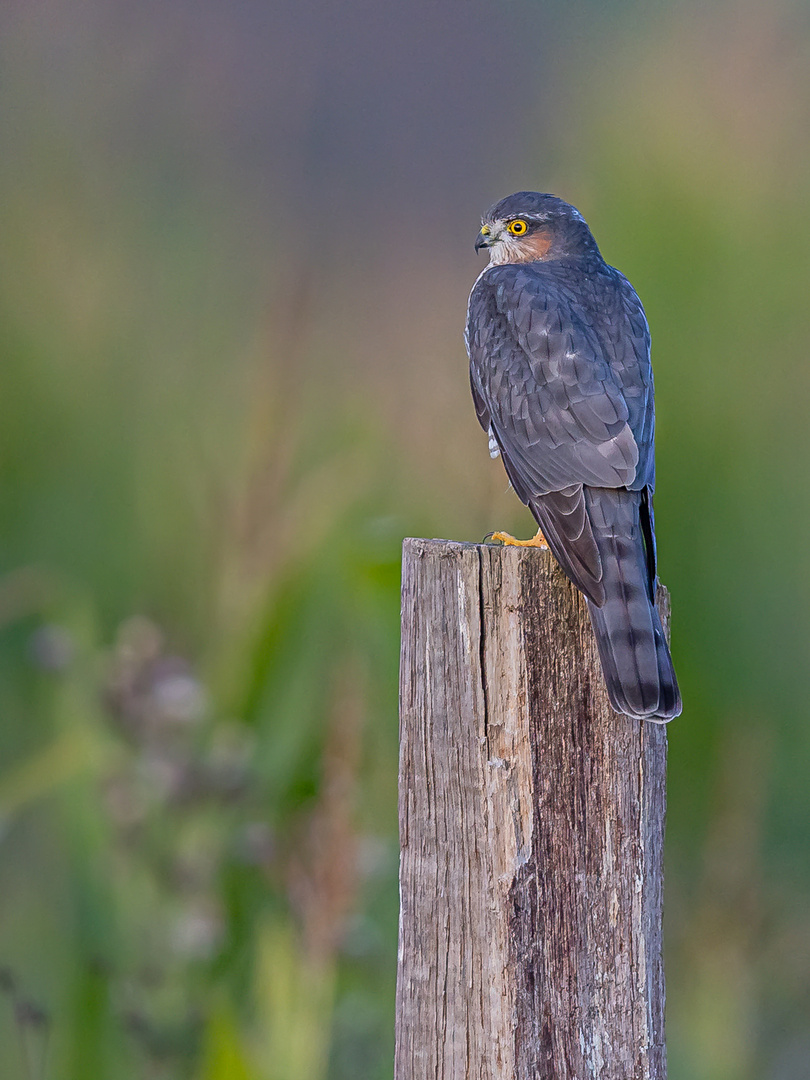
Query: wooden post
x=531 y=829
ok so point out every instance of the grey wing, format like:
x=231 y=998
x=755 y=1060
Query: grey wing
x=628 y=354
x=565 y=384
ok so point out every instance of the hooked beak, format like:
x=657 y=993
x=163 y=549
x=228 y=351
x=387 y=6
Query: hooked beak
x=484 y=239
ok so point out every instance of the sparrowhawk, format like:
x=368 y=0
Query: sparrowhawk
x=561 y=378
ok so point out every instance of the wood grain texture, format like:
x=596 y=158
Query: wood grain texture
x=531 y=829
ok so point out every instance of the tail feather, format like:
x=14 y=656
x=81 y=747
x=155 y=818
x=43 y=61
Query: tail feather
x=634 y=653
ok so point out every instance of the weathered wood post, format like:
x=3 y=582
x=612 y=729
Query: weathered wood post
x=531 y=828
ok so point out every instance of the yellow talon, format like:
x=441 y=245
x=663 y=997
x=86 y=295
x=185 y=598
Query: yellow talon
x=538 y=540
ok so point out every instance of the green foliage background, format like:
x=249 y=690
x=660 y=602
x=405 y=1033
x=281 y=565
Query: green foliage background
x=213 y=437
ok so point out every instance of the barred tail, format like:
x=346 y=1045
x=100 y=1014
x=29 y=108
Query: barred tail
x=634 y=653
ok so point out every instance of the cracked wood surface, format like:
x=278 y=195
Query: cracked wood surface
x=531 y=831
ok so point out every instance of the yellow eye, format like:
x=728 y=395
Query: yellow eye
x=517 y=227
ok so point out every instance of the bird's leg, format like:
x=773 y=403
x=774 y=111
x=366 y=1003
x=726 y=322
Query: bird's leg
x=538 y=540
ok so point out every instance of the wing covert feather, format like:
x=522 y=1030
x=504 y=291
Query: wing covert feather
x=561 y=375
x=553 y=384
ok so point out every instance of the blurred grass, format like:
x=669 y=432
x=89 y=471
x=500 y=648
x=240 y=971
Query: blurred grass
x=211 y=446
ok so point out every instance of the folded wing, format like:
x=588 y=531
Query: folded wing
x=561 y=377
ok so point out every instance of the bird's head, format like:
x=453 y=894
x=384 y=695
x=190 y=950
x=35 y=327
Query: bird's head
x=528 y=226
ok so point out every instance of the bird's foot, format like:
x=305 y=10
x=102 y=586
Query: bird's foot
x=538 y=540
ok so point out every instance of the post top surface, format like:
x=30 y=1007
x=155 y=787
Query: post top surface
x=438 y=544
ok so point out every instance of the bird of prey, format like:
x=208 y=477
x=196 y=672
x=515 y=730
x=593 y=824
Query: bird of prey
x=562 y=383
